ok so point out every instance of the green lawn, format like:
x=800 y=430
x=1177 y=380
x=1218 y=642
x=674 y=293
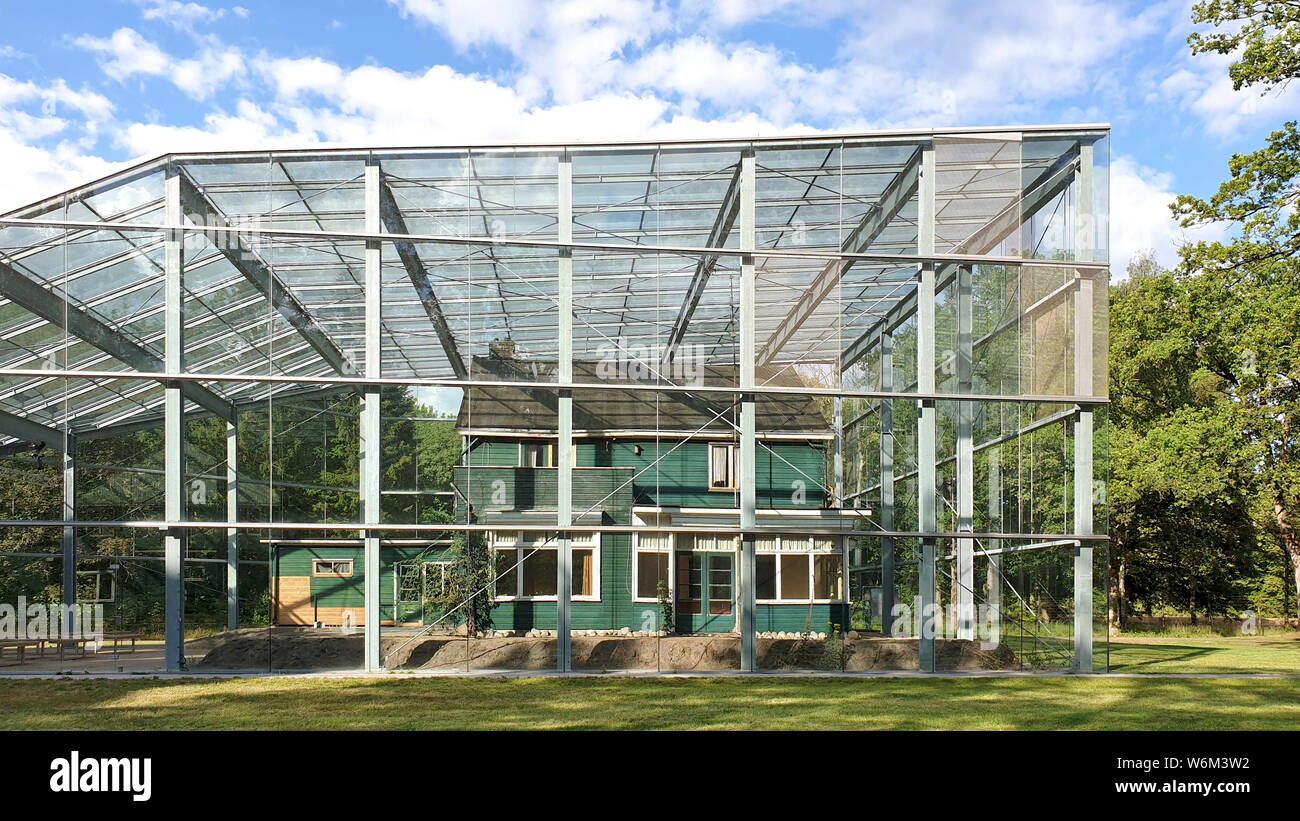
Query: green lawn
x=620 y=703
x=405 y=702
x=1276 y=653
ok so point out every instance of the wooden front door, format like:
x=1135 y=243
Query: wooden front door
x=705 y=592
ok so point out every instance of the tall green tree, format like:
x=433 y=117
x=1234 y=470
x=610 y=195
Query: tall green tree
x=1244 y=292
x=1181 y=528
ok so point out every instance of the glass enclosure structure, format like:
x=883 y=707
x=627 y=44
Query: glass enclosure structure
x=827 y=402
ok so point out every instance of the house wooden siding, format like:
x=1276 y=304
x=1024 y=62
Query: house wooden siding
x=301 y=598
x=787 y=475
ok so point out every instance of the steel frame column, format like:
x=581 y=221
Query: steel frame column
x=837 y=470
x=371 y=450
x=69 y=515
x=748 y=450
x=1083 y=386
x=965 y=592
x=564 y=434
x=887 y=583
x=995 y=557
x=232 y=534
x=174 y=429
x=925 y=429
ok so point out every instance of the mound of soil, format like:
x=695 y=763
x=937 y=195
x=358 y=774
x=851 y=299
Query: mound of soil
x=309 y=649
x=279 y=649
x=950 y=655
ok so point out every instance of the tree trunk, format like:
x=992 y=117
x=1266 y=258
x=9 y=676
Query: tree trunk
x=1116 y=593
x=1290 y=539
x=1286 y=591
x=1123 y=591
x=1191 y=602
x=1112 y=599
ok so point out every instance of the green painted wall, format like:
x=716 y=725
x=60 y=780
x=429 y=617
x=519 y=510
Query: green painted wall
x=349 y=592
x=604 y=467
x=679 y=479
x=793 y=618
x=614 y=611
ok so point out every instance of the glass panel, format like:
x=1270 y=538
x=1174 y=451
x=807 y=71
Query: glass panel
x=538 y=578
x=765 y=587
x=507 y=572
x=584 y=579
x=794 y=576
x=828 y=576
x=652 y=569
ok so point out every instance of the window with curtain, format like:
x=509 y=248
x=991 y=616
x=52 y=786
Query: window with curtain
x=527 y=569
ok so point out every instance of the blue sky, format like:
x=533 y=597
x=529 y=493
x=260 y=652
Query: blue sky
x=88 y=87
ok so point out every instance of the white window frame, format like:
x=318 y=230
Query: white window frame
x=317 y=573
x=790 y=545
x=442 y=565
x=733 y=467
x=517 y=542
x=550 y=453
x=671 y=550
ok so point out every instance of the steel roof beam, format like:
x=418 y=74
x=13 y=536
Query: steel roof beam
x=873 y=223
x=22 y=291
x=27 y=430
x=249 y=263
x=722 y=225
x=394 y=223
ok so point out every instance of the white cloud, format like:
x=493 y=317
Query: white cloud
x=127 y=54
x=1140 y=219
x=568 y=49
x=722 y=14
x=744 y=77
x=949 y=63
x=46 y=134
x=247 y=127
x=183 y=16
x=465 y=23
x=1201 y=85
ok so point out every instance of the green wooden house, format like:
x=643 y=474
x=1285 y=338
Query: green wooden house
x=655 y=462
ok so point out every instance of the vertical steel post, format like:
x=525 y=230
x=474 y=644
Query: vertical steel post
x=371 y=450
x=564 y=446
x=69 y=515
x=887 y=583
x=995 y=559
x=965 y=592
x=748 y=449
x=1083 y=386
x=232 y=516
x=837 y=469
x=925 y=430
x=174 y=428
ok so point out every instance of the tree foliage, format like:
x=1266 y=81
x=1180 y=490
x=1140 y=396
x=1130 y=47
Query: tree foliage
x=1181 y=473
x=467 y=595
x=1205 y=360
x=1263 y=35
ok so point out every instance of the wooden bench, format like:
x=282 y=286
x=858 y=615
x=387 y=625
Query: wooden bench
x=117 y=639
x=20 y=647
x=61 y=644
